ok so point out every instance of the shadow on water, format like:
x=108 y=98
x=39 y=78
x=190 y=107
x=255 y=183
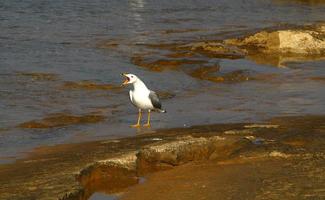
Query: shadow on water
x=108 y=180
x=100 y=195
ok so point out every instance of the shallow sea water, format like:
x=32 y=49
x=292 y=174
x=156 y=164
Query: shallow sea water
x=61 y=40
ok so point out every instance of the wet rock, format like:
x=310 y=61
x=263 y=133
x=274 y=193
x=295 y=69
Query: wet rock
x=279 y=154
x=62 y=119
x=89 y=85
x=109 y=176
x=232 y=77
x=210 y=49
x=108 y=44
x=205 y=72
x=193 y=59
x=38 y=76
x=164 y=156
x=126 y=161
x=197 y=68
x=181 y=54
x=172 y=31
x=318 y=78
x=262 y=126
x=164 y=46
x=294 y=156
x=238 y=132
x=215 y=50
x=164 y=64
x=185 y=149
x=300 y=41
x=254 y=140
x=208 y=73
x=295 y=142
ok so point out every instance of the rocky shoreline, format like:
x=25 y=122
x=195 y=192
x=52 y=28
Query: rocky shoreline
x=272 y=46
x=76 y=171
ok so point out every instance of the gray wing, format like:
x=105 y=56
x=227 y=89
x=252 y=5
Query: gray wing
x=154 y=100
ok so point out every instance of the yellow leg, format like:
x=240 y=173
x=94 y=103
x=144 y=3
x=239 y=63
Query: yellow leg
x=139 y=119
x=148 y=122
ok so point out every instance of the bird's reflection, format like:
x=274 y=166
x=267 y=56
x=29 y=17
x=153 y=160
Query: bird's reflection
x=144 y=130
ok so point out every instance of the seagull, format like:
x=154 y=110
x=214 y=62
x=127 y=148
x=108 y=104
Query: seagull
x=142 y=98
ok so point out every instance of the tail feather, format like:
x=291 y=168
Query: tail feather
x=162 y=111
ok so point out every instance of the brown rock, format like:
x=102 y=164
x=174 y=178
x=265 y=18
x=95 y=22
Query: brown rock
x=185 y=149
x=215 y=50
x=38 y=76
x=164 y=64
x=110 y=176
x=61 y=119
x=89 y=85
x=309 y=42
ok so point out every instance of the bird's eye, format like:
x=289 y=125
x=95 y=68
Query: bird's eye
x=131 y=76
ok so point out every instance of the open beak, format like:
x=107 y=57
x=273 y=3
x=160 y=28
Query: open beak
x=126 y=81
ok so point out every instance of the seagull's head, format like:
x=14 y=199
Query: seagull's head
x=130 y=79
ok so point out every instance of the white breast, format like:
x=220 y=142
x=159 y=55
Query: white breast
x=140 y=98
